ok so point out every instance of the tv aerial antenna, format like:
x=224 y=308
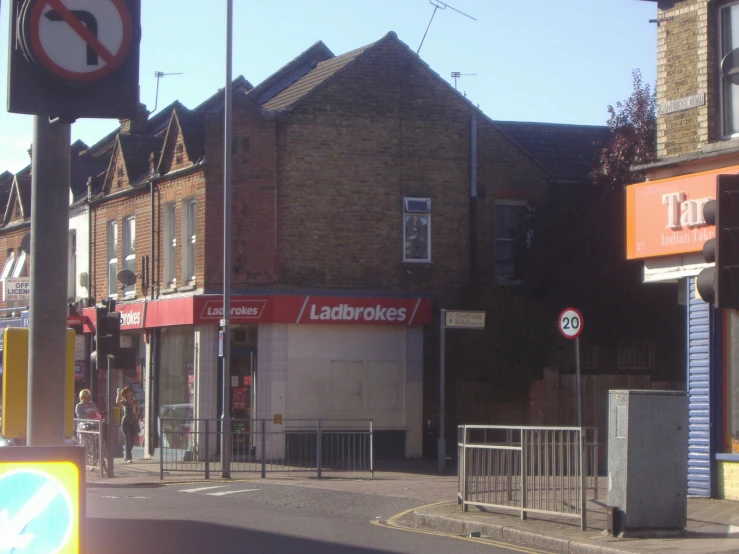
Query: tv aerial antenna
x=159 y=75
x=456 y=75
x=439 y=4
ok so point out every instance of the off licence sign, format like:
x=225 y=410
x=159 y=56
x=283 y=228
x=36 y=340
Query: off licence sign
x=465 y=320
x=18 y=288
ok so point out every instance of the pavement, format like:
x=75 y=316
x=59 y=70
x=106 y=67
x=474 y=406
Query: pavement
x=713 y=525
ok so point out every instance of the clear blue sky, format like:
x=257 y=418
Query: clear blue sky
x=561 y=61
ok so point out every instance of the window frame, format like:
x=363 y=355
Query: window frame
x=128 y=253
x=722 y=111
x=505 y=202
x=19 y=267
x=415 y=212
x=112 y=257
x=189 y=241
x=8 y=267
x=170 y=244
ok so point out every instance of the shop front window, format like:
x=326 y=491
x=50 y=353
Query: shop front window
x=176 y=385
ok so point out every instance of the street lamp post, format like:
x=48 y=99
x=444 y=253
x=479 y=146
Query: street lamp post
x=225 y=321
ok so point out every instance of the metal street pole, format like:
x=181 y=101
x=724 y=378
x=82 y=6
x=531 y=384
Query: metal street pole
x=577 y=381
x=48 y=259
x=111 y=427
x=441 y=463
x=225 y=322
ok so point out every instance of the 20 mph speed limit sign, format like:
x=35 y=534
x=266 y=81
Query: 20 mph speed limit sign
x=570 y=323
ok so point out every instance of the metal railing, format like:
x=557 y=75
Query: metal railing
x=267 y=445
x=90 y=434
x=529 y=469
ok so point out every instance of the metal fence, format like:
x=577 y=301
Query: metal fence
x=267 y=445
x=529 y=469
x=90 y=434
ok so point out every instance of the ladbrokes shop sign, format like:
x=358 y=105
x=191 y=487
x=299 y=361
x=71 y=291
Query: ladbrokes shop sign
x=665 y=217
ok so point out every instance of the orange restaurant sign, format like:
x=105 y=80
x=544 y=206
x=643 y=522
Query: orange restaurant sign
x=665 y=217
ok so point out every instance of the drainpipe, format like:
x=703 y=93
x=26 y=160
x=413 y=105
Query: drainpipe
x=90 y=300
x=152 y=418
x=473 y=200
x=152 y=159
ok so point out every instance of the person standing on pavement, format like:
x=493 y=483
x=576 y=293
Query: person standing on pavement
x=129 y=419
x=85 y=408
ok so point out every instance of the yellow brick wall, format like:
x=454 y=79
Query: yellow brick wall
x=728 y=480
x=684 y=53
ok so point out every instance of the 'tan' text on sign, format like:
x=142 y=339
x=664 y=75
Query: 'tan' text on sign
x=465 y=320
x=18 y=288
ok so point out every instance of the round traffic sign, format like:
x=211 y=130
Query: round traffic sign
x=570 y=323
x=36 y=512
x=79 y=40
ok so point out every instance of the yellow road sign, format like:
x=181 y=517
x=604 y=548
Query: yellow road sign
x=41 y=499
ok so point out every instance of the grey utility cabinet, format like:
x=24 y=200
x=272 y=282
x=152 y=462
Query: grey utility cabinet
x=647 y=460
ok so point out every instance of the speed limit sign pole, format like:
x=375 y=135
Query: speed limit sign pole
x=570 y=325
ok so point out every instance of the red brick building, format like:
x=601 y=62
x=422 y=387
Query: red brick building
x=367 y=193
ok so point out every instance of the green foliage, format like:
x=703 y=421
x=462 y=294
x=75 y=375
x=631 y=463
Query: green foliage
x=508 y=356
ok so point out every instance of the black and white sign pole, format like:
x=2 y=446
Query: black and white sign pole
x=570 y=325
x=50 y=175
x=226 y=390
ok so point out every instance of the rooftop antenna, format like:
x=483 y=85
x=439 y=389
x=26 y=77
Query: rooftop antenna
x=456 y=75
x=439 y=4
x=159 y=75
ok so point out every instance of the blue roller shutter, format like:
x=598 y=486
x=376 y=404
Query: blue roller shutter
x=699 y=385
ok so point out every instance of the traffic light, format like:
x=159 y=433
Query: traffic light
x=107 y=336
x=15 y=384
x=71 y=63
x=719 y=284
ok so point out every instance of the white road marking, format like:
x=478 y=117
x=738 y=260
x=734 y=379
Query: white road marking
x=224 y=493
x=203 y=489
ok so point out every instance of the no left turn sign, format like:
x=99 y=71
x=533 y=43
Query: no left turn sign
x=80 y=40
x=570 y=323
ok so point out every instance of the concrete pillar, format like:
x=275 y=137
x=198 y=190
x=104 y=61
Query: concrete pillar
x=414 y=393
x=206 y=386
x=272 y=384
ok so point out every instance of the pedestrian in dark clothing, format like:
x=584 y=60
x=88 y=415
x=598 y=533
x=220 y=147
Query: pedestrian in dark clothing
x=129 y=419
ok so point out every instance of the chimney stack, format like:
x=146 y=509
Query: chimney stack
x=137 y=125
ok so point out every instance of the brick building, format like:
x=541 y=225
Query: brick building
x=367 y=193
x=698 y=127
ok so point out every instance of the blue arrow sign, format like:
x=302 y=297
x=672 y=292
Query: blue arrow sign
x=35 y=513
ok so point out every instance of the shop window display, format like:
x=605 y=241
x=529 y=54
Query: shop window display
x=176 y=385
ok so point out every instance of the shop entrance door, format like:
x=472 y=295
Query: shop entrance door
x=243 y=398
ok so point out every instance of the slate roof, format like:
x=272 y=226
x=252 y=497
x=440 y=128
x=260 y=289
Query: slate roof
x=192 y=125
x=135 y=150
x=23 y=183
x=240 y=85
x=6 y=183
x=306 y=84
x=290 y=72
x=567 y=152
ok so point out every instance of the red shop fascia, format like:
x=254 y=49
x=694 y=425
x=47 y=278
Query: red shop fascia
x=295 y=309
